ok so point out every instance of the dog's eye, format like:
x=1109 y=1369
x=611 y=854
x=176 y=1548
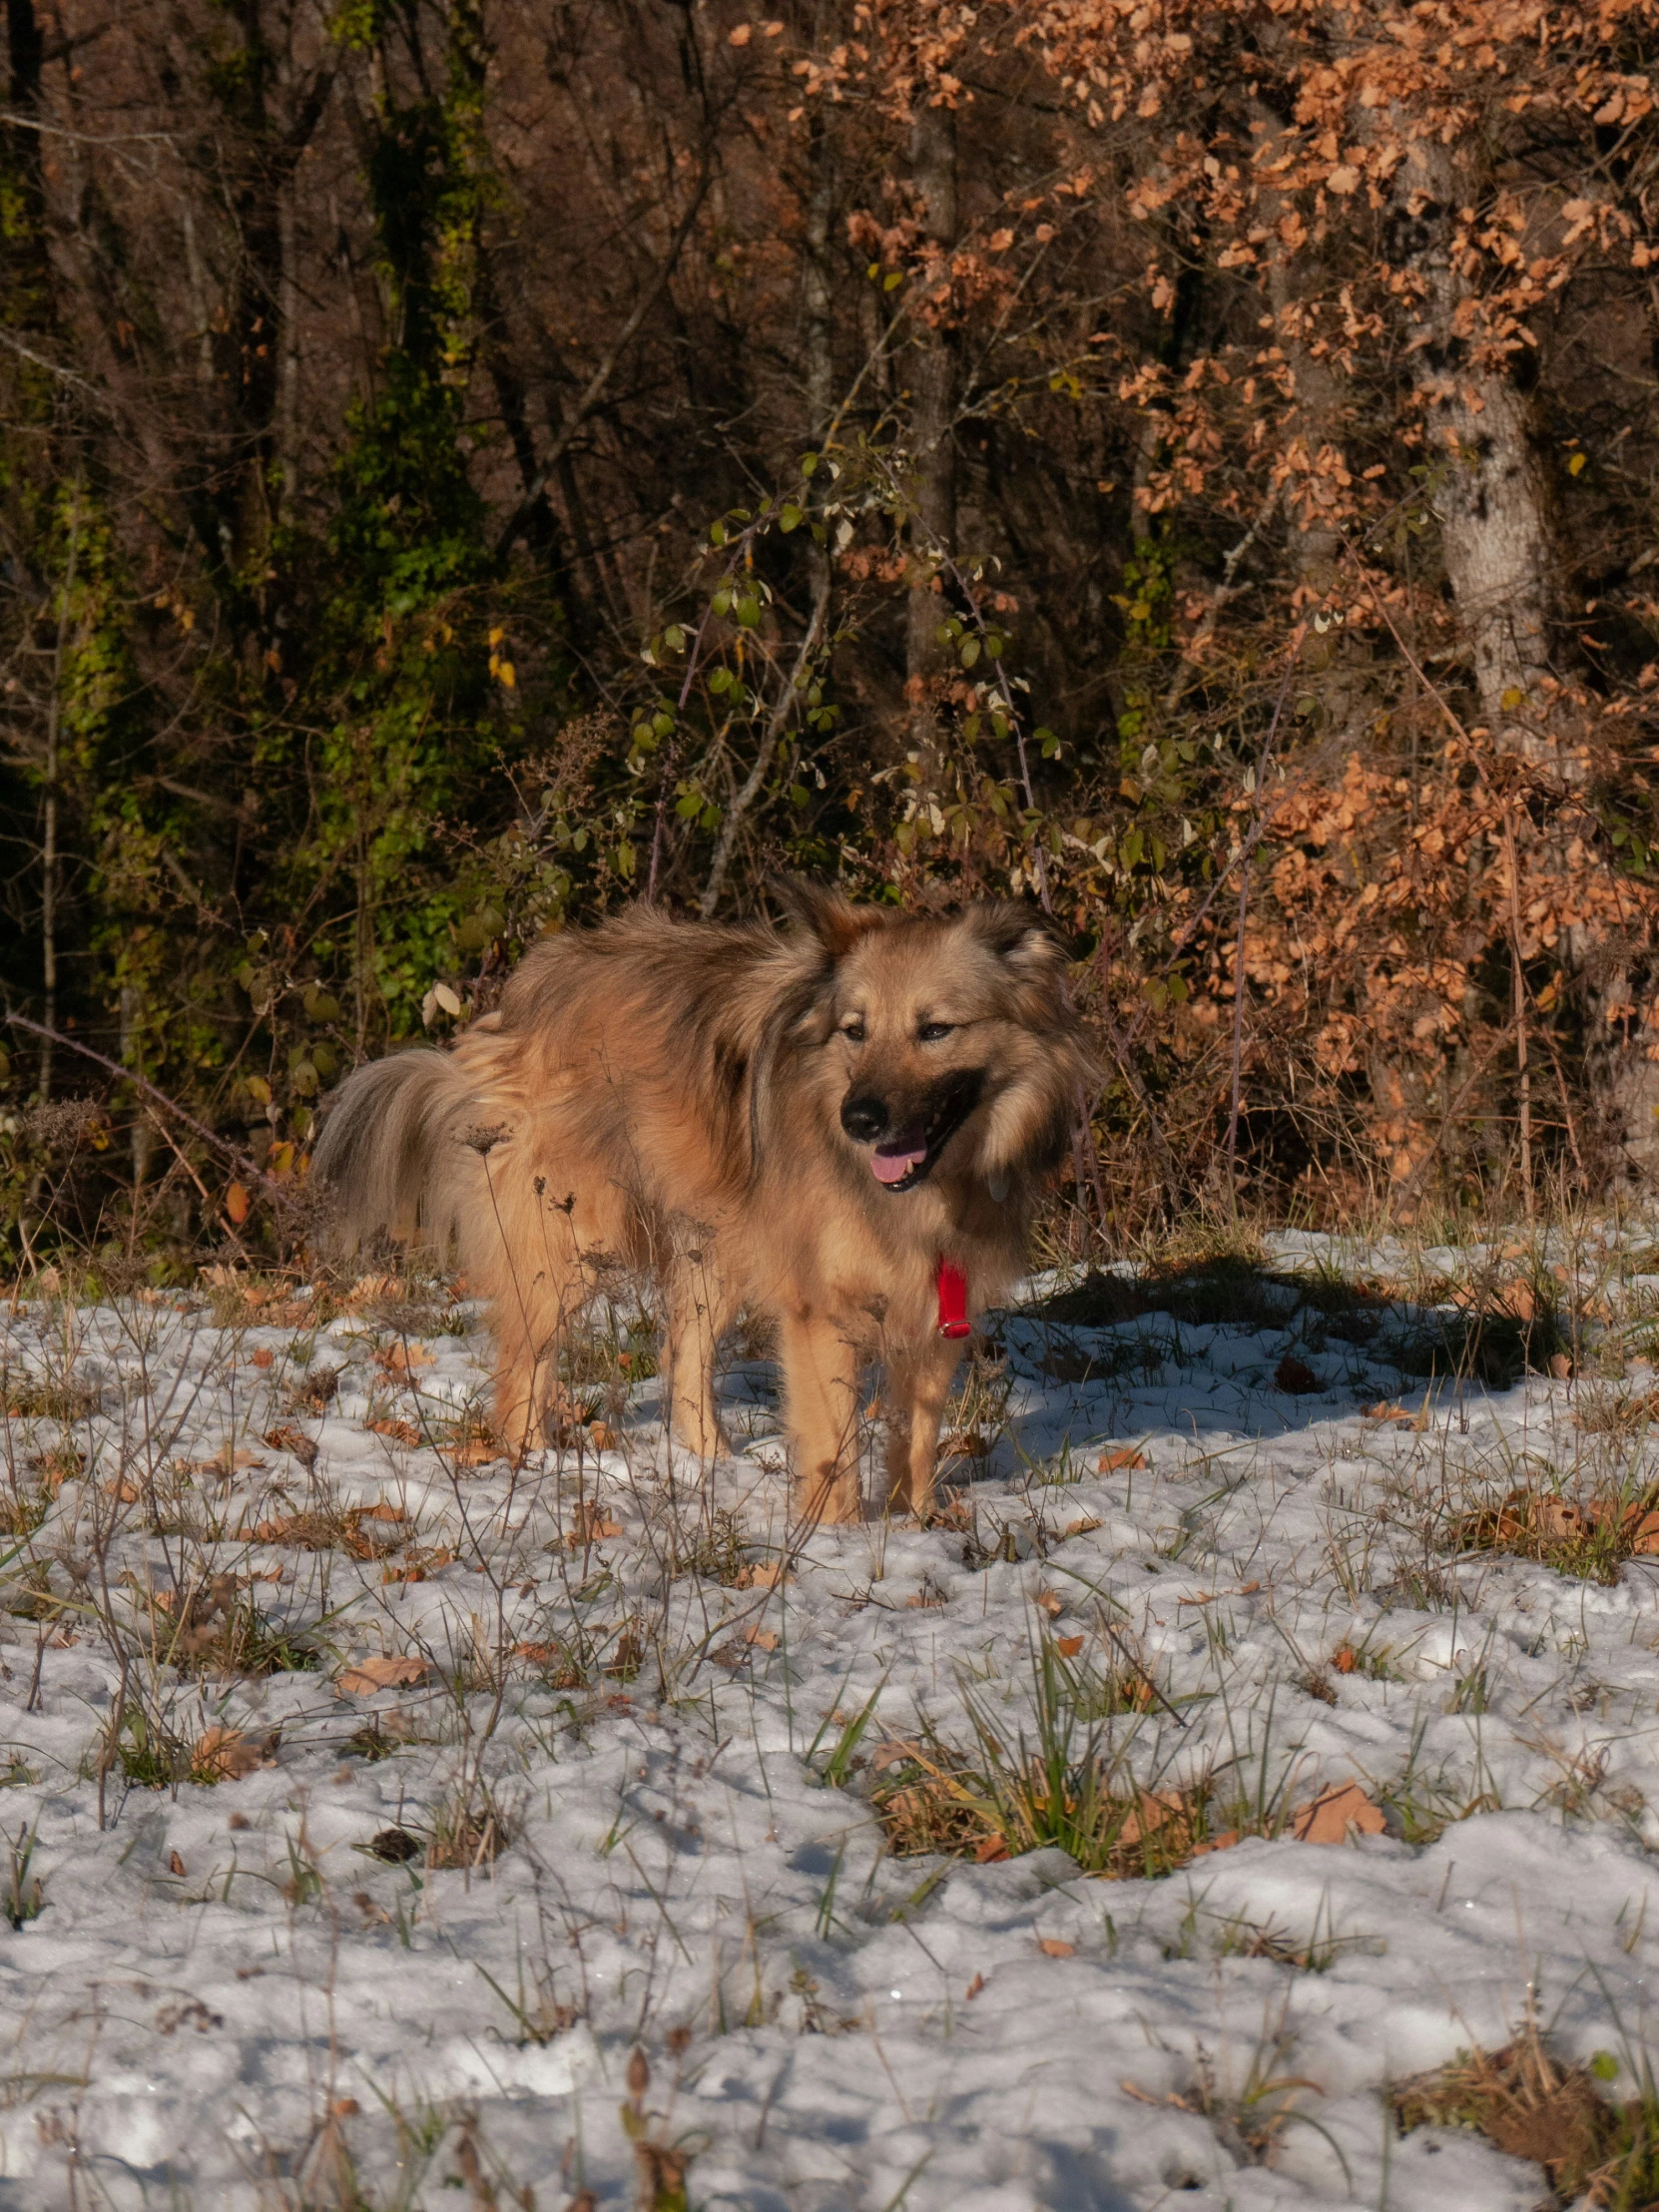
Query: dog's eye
x=931 y=1032
x=854 y=1030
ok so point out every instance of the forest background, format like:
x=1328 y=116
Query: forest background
x=468 y=463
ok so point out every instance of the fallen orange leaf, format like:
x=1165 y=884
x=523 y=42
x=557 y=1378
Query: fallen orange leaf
x=175 y=1864
x=592 y=1524
x=891 y=1753
x=1157 y=1808
x=475 y=1451
x=401 y=1360
x=264 y=1357
x=1052 y=1602
x=1068 y=1646
x=400 y=1432
x=236 y=1202
x=225 y=1754
x=1053 y=1947
x=763 y=1574
x=368 y=1676
x=1125 y=1456
x=1334 y=1812
x=1223 y=1841
x=765 y=1638
x=989 y=1849
x=974 y=1987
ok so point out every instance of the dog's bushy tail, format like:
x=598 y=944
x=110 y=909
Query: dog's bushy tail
x=387 y=1161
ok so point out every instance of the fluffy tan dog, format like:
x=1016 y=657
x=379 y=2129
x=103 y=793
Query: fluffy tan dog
x=803 y=1123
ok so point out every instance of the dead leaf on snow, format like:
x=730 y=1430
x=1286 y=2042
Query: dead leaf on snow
x=227 y=1460
x=1120 y=1460
x=1068 y=1646
x=1224 y=1841
x=763 y=1574
x=894 y=1753
x=474 y=1451
x=1055 y=1946
x=400 y=1432
x=401 y=1360
x=225 y=1754
x=367 y=1677
x=294 y=1440
x=1157 y=1808
x=591 y=1525
x=1334 y=1812
x=964 y=1443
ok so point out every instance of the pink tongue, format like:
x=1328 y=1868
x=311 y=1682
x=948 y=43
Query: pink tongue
x=892 y=1162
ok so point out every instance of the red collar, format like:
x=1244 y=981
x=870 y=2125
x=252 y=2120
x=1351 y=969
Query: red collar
x=953 y=1317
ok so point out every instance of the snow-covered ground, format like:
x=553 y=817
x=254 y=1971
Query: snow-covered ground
x=233 y=1991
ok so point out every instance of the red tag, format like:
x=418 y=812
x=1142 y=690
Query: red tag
x=954 y=1320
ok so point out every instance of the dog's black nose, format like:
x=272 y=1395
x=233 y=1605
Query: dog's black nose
x=864 y=1118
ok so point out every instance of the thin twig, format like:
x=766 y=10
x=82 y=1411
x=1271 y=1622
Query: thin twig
x=744 y=797
x=601 y=377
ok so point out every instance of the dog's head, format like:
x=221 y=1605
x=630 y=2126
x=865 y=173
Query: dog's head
x=940 y=1041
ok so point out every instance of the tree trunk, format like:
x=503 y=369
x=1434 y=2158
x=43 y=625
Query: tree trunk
x=933 y=374
x=1488 y=489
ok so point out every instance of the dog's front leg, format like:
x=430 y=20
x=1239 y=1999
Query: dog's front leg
x=821 y=1390
x=694 y=1325
x=919 y=1384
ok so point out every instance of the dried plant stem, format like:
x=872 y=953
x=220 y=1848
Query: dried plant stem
x=1523 y=1074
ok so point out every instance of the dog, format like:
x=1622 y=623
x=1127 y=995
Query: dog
x=845 y=1124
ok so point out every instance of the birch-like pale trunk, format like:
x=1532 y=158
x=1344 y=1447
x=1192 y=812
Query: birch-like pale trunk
x=1489 y=492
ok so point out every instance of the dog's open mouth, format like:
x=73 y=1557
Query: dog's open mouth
x=902 y=1161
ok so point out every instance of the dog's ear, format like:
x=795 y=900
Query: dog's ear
x=1031 y=942
x=813 y=911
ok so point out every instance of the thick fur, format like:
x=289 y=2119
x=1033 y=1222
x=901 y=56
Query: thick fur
x=668 y=1096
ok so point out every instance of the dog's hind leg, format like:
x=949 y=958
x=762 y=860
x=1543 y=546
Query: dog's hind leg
x=820 y=1388
x=919 y=1384
x=525 y=1254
